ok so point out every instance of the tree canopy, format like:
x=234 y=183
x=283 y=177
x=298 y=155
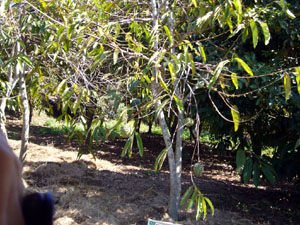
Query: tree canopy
x=231 y=66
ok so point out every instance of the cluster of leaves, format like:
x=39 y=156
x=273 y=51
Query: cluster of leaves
x=194 y=196
x=86 y=59
x=258 y=103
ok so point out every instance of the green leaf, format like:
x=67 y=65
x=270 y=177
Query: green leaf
x=65 y=107
x=204 y=208
x=97 y=4
x=127 y=147
x=245 y=35
x=26 y=60
x=297 y=144
x=186 y=56
x=297 y=69
x=199 y=207
x=153 y=57
x=247 y=170
x=161 y=57
x=254 y=32
x=256 y=173
x=210 y=205
x=44 y=5
x=22 y=44
x=217 y=72
x=229 y=23
x=98 y=61
x=118 y=28
x=120 y=120
x=202 y=53
x=244 y=65
x=161 y=158
x=235 y=117
x=162 y=82
x=20 y=65
x=139 y=144
x=217 y=12
x=60 y=31
x=70 y=31
x=189 y=44
x=266 y=32
x=238 y=7
x=240 y=160
x=201 y=20
x=267 y=171
x=290 y=14
x=177 y=62
x=172 y=72
x=195 y=3
x=116 y=55
x=235 y=80
x=238 y=28
x=78 y=101
x=192 y=201
x=178 y=101
x=192 y=64
x=169 y=34
x=186 y=195
x=287 y=86
x=161 y=106
x=282 y=4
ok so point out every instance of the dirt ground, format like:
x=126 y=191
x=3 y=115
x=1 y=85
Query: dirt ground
x=119 y=191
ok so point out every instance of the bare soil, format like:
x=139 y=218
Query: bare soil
x=119 y=191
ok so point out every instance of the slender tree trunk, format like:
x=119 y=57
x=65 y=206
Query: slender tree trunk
x=173 y=209
x=150 y=124
x=175 y=159
x=25 y=110
x=26 y=118
x=12 y=81
x=89 y=120
x=175 y=172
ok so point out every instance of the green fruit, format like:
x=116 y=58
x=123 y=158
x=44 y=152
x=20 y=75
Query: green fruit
x=198 y=169
x=188 y=122
x=126 y=130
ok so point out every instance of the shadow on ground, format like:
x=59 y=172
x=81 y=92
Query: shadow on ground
x=130 y=192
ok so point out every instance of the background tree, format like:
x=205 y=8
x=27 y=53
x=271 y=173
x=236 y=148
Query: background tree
x=176 y=59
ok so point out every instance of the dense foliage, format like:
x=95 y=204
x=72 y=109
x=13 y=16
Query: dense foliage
x=230 y=66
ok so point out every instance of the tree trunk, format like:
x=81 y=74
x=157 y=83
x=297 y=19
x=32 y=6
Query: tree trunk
x=12 y=81
x=175 y=197
x=25 y=110
x=150 y=124
x=175 y=169
x=26 y=116
x=174 y=159
x=89 y=120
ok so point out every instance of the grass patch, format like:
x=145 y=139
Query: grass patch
x=156 y=129
x=14 y=136
x=205 y=137
x=52 y=126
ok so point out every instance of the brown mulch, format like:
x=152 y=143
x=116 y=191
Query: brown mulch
x=115 y=190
